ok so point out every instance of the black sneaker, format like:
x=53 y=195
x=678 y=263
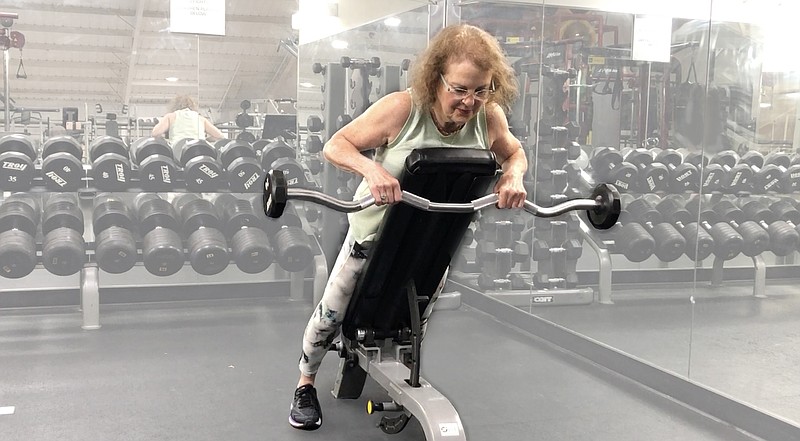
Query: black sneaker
x=305 y=413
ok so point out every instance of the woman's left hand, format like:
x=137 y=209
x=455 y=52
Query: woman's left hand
x=510 y=190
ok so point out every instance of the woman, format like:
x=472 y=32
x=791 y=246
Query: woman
x=460 y=85
x=183 y=121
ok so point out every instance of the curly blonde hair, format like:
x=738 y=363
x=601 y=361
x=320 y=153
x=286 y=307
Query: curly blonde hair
x=463 y=42
x=182 y=102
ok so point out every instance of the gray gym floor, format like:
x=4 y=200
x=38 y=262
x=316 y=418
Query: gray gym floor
x=226 y=370
x=740 y=345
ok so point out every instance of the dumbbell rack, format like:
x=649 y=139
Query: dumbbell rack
x=89 y=280
x=720 y=177
x=556 y=243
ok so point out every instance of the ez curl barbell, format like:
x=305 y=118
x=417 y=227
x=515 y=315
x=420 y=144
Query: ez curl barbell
x=602 y=207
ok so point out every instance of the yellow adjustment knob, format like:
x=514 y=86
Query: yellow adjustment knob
x=370 y=407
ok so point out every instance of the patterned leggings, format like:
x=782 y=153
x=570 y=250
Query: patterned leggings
x=324 y=324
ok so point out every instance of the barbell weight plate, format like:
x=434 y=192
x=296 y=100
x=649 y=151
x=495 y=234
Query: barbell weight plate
x=606 y=215
x=162 y=252
x=63 y=252
x=111 y=172
x=275 y=194
x=17 y=254
x=115 y=250
x=62 y=171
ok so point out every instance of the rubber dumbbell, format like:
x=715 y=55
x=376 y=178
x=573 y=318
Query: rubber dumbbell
x=162 y=248
x=63 y=249
x=111 y=168
x=712 y=174
x=788 y=181
x=766 y=177
x=785 y=209
x=699 y=243
x=249 y=243
x=728 y=243
x=683 y=176
x=208 y=250
x=652 y=176
x=784 y=240
x=314 y=124
x=62 y=169
x=314 y=144
x=19 y=219
x=609 y=167
x=241 y=166
x=275 y=150
x=115 y=246
x=670 y=244
x=735 y=177
x=290 y=243
x=201 y=170
x=157 y=169
x=17 y=155
x=756 y=239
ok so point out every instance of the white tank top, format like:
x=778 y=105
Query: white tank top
x=188 y=124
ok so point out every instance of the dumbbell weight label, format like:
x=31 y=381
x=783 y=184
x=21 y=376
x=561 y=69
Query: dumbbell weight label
x=61 y=182
x=14 y=166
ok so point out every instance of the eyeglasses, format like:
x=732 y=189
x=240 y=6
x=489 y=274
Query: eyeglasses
x=462 y=93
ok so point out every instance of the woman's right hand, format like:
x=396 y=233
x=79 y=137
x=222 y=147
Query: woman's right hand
x=384 y=187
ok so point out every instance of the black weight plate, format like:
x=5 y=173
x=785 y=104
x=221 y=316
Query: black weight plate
x=62 y=214
x=111 y=172
x=111 y=214
x=157 y=173
x=606 y=215
x=276 y=150
x=157 y=213
x=246 y=137
x=17 y=254
x=115 y=250
x=198 y=213
x=259 y=144
x=233 y=150
x=244 y=120
x=62 y=144
x=293 y=172
x=275 y=194
x=208 y=251
x=18 y=143
x=245 y=175
x=145 y=147
x=62 y=172
x=107 y=144
x=314 y=144
x=194 y=148
x=293 y=249
x=203 y=173
x=18 y=215
x=162 y=252
x=63 y=252
x=16 y=171
x=251 y=250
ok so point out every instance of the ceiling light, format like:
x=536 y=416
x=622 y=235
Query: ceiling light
x=765 y=105
x=171 y=79
x=307 y=84
x=392 y=21
x=339 y=44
